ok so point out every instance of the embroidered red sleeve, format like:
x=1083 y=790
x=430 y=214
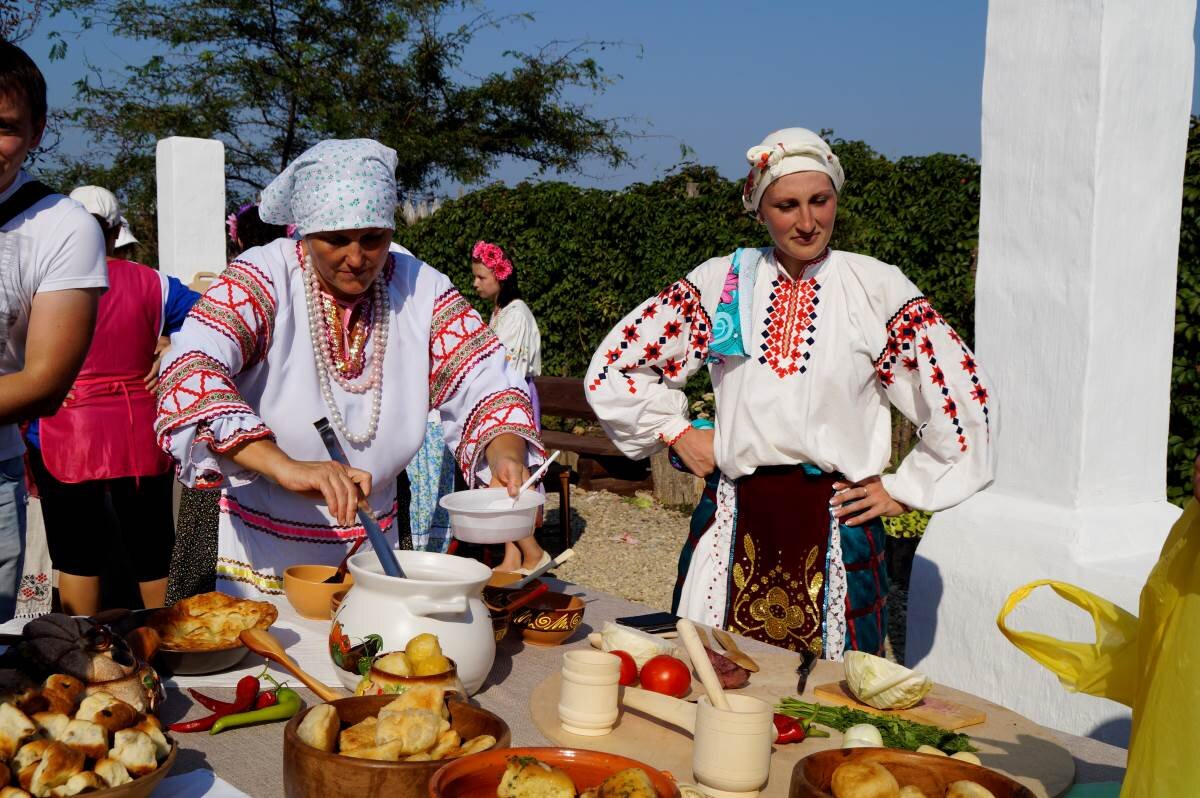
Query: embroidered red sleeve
x=240 y=306
x=195 y=389
x=458 y=342
x=507 y=411
x=669 y=338
x=921 y=345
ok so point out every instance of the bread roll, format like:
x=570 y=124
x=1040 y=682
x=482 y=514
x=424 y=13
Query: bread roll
x=526 y=777
x=112 y=772
x=77 y=784
x=134 y=750
x=968 y=789
x=13 y=792
x=909 y=791
x=864 y=780
x=320 y=727
x=50 y=725
x=58 y=765
x=15 y=728
x=104 y=710
x=87 y=737
x=628 y=783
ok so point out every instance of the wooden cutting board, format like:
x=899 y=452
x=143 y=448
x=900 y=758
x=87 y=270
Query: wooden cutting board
x=936 y=709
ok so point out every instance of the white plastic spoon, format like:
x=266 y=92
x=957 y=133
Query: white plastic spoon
x=535 y=476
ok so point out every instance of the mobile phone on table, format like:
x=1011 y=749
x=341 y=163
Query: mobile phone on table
x=652 y=622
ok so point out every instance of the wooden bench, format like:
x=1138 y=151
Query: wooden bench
x=601 y=466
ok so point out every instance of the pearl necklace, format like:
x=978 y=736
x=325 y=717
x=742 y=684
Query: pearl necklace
x=323 y=350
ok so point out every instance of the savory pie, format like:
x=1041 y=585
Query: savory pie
x=210 y=621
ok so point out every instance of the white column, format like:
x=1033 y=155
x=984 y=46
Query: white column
x=1085 y=116
x=191 y=206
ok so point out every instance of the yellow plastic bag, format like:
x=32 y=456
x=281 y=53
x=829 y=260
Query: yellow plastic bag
x=1150 y=663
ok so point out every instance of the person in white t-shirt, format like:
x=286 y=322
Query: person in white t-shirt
x=52 y=273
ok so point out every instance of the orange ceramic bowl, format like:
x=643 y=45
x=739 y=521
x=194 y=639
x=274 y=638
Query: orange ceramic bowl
x=549 y=619
x=476 y=776
x=307 y=592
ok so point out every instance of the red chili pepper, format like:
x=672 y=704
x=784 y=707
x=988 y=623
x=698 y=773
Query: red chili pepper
x=208 y=702
x=265 y=699
x=789 y=729
x=247 y=691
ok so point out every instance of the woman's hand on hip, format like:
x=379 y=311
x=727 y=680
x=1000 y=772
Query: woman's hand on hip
x=506 y=460
x=338 y=486
x=857 y=503
x=695 y=449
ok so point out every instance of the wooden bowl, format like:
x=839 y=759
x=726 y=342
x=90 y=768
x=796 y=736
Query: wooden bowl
x=307 y=592
x=311 y=773
x=549 y=619
x=812 y=776
x=477 y=776
x=143 y=786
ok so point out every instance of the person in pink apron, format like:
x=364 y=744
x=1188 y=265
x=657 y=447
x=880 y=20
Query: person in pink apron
x=99 y=450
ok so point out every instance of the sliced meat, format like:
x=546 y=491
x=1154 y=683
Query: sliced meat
x=729 y=672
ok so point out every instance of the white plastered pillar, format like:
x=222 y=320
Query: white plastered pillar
x=1085 y=117
x=191 y=206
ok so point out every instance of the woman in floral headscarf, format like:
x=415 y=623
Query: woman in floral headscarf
x=808 y=348
x=341 y=324
x=495 y=281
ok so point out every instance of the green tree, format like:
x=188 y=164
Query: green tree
x=271 y=77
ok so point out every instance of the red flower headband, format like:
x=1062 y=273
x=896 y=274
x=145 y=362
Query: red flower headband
x=491 y=256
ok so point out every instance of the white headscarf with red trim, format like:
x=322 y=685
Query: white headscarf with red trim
x=784 y=152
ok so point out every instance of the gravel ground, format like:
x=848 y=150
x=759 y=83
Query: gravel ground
x=629 y=546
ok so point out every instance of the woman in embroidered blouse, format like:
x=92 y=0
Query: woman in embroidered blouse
x=807 y=348
x=342 y=324
x=495 y=281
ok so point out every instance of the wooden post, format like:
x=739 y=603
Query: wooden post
x=673 y=488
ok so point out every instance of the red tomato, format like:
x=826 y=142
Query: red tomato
x=665 y=674
x=628 y=668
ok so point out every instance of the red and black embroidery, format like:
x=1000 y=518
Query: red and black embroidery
x=506 y=411
x=790 y=326
x=909 y=343
x=683 y=317
x=458 y=342
x=241 y=307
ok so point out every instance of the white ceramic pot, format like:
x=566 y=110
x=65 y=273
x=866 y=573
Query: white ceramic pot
x=442 y=594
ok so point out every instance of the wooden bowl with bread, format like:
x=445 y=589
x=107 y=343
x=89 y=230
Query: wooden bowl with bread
x=931 y=775
x=351 y=769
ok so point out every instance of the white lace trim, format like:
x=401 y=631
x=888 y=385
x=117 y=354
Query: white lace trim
x=835 y=594
x=721 y=543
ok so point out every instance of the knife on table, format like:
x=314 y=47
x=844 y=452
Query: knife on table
x=808 y=658
x=383 y=549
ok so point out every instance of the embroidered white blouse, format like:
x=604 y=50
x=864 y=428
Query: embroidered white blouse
x=517 y=329
x=827 y=354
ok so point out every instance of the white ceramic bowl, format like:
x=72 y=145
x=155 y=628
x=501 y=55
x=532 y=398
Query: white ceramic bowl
x=487 y=515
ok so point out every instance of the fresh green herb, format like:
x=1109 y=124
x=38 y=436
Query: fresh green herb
x=896 y=732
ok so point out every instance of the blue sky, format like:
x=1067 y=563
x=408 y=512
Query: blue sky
x=717 y=76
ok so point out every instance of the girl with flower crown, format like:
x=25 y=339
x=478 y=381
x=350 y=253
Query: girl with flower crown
x=495 y=281
x=342 y=324
x=809 y=349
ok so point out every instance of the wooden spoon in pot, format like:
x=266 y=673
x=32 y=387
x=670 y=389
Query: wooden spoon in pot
x=267 y=646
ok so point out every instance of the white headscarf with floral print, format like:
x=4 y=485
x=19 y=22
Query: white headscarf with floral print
x=335 y=185
x=784 y=152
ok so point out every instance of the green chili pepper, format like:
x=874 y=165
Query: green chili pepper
x=288 y=704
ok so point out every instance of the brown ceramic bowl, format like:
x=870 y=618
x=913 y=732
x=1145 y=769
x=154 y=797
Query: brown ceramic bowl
x=143 y=786
x=812 y=776
x=477 y=776
x=549 y=619
x=311 y=773
x=382 y=682
x=306 y=591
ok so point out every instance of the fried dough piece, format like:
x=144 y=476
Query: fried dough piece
x=320 y=727
x=58 y=765
x=477 y=744
x=50 y=725
x=388 y=752
x=152 y=728
x=112 y=772
x=422 y=757
x=15 y=728
x=134 y=750
x=447 y=741
x=79 y=783
x=526 y=777
x=13 y=792
x=422 y=696
x=416 y=730
x=30 y=754
x=86 y=737
x=628 y=783
x=360 y=735
x=107 y=711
